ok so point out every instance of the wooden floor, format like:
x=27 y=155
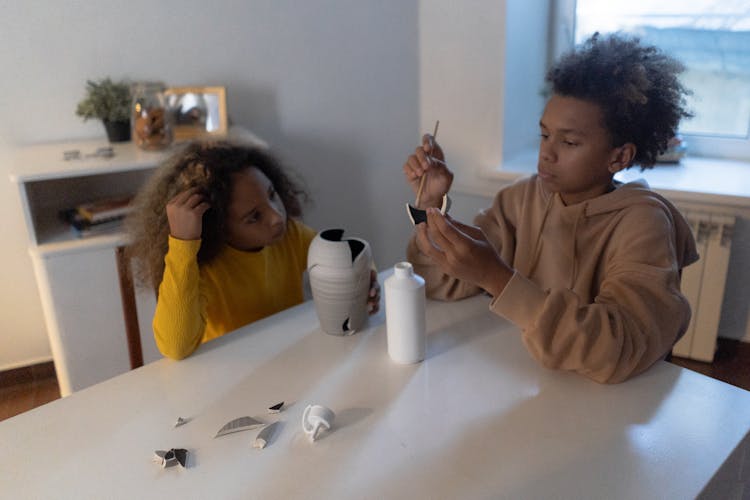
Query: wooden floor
x=26 y=388
x=731 y=363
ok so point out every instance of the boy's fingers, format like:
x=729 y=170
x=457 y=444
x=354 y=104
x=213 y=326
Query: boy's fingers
x=443 y=234
x=425 y=245
x=472 y=231
x=424 y=161
x=412 y=168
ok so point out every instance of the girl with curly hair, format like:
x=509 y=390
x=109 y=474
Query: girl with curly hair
x=215 y=231
x=588 y=268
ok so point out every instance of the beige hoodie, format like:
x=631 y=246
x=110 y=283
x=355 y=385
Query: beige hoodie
x=596 y=288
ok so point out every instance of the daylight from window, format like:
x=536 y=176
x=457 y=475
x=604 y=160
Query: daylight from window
x=712 y=39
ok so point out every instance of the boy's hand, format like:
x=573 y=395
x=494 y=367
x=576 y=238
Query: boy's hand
x=428 y=159
x=373 y=298
x=185 y=214
x=462 y=252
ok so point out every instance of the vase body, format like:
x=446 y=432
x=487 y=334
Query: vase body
x=152 y=122
x=405 y=314
x=118 y=131
x=339 y=271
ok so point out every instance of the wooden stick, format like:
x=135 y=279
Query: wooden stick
x=421 y=182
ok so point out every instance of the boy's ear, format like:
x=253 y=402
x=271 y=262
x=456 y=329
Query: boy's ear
x=622 y=157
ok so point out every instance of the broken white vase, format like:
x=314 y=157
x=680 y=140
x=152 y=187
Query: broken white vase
x=339 y=270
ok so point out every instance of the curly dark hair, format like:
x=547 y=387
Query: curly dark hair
x=635 y=85
x=210 y=167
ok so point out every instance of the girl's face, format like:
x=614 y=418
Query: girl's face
x=256 y=216
x=576 y=157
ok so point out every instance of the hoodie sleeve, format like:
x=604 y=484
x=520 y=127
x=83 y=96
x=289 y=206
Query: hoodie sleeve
x=635 y=318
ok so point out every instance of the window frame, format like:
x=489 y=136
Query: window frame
x=562 y=34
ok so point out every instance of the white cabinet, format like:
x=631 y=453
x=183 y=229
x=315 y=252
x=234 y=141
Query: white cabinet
x=77 y=277
x=84 y=316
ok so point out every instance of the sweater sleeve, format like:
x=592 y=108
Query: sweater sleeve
x=179 y=318
x=635 y=318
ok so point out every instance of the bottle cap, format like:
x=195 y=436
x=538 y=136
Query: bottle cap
x=403 y=270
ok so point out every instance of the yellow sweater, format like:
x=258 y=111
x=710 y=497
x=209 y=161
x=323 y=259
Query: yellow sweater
x=199 y=303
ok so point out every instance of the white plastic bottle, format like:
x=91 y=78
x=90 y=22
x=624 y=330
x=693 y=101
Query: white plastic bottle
x=405 y=314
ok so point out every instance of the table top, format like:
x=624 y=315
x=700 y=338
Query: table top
x=477 y=419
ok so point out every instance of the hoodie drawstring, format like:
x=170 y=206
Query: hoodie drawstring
x=537 y=247
x=574 y=274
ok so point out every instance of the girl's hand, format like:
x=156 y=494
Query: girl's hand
x=185 y=214
x=429 y=159
x=463 y=252
x=373 y=298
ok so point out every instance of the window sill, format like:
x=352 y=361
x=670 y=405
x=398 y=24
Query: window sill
x=695 y=180
x=700 y=180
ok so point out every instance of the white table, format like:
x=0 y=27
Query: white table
x=478 y=419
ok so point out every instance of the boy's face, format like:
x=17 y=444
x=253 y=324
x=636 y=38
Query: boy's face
x=576 y=156
x=256 y=216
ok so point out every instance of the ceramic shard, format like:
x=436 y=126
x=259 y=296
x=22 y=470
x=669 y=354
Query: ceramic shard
x=417 y=215
x=171 y=458
x=265 y=435
x=239 y=424
x=275 y=408
x=181 y=455
x=159 y=457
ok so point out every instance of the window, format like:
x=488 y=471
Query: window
x=712 y=39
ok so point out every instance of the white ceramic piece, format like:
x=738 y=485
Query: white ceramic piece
x=339 y=270
x=316 y=417
x=238 y=425
x=417 y=215
x=265 y=435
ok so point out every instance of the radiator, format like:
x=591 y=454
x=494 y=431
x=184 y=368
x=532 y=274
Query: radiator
x=703 y=283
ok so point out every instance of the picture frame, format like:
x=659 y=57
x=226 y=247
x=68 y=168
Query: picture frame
x=197 y=111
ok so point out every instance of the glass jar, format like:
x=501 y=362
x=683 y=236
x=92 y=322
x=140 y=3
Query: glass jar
x=152 y=122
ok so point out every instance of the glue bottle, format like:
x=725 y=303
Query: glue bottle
x=405 y=314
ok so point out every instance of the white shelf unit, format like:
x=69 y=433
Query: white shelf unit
x=77 y=277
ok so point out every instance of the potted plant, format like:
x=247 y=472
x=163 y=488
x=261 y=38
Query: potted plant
x=110 y=102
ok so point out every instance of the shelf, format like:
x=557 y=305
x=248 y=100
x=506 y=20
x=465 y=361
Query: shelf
x=46 y=162
x=69 y=243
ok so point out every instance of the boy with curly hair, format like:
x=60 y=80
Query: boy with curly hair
x=589 y=268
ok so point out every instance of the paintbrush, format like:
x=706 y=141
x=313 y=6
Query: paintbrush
x=417 y=215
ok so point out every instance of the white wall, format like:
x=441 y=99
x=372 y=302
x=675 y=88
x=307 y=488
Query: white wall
x=482 y=66
x=331 y=84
